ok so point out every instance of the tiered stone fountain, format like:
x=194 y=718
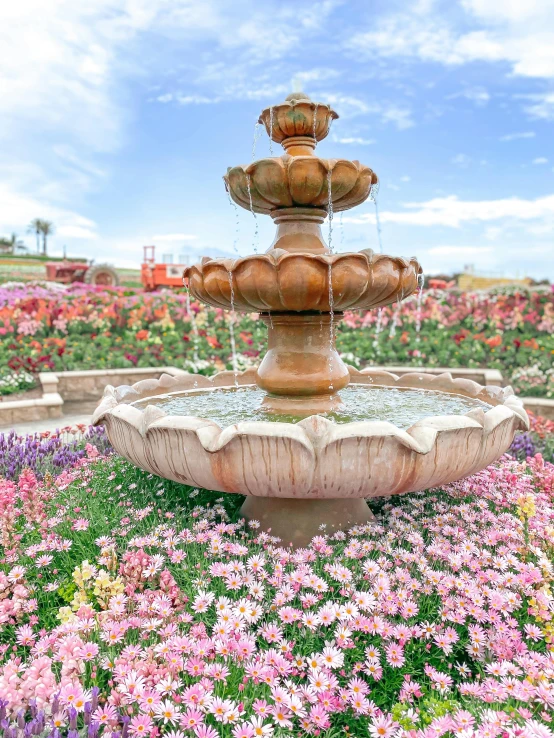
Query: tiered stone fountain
x=304 y=436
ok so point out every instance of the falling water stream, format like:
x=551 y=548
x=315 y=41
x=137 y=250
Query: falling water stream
x=232 y=318
x=378 y=329
x=271 y=131
x=256 y=242
x=331 y=325
x=315 y=121
x=257 y=133
x=330 y=277
x=378 y=224
x=419 y=306
x=237 y=222
x=194 y=326
x=395 y=318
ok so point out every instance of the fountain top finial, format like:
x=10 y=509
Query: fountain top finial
x=299 y=95
x=298 y=123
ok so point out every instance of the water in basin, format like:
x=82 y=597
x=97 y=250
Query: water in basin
x=403 y=407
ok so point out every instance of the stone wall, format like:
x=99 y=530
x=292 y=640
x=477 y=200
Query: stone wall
x=79 y=392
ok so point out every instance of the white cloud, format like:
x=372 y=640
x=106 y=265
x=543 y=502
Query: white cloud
x=174 y=237
x=319 y=74
x=452 y=212
x=517 y=136
x=387 y=112
x=19 y=209
x=458 y=250
x=461 y=160
x=477 y=95
x=540 y=160
x=353 y=140
x=542 y=106
x=492 y=33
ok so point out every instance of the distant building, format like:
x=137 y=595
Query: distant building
x=472 y=280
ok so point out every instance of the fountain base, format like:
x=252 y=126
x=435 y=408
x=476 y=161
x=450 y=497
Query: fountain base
x=303 y=407
x=296 y=521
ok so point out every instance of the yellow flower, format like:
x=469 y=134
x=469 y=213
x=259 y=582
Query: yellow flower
x=65 y=615
x=79 y=598
x=83 y=573
x=526 y=506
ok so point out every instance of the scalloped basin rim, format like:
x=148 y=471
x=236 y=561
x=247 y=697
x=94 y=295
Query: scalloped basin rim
x=244 y=425
x=314 y=458
x=495 y=396
x=276 y=256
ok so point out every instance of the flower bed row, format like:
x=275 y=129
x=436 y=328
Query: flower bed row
x=82 y=327
x=133 y=606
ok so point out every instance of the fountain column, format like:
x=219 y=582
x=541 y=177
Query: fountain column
x=301 y=371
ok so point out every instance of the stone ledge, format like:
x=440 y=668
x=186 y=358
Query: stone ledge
x=486 y=377
x=540 y=406
x=84 y=388
x=76 y=388
x=24 y=411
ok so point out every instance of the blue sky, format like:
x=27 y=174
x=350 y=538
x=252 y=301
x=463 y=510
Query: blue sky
x=118 y=119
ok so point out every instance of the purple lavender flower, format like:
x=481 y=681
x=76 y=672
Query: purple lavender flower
x=43 y=455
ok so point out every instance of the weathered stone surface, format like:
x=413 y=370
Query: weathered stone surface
x=315 y=458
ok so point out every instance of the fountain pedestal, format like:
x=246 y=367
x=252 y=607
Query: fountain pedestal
x=301 y=371
x=296 y=521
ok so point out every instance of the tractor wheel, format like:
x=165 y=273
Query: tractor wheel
x=102 y=274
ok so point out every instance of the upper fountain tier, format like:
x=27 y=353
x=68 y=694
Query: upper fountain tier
x=299 y=190
x=299 y=179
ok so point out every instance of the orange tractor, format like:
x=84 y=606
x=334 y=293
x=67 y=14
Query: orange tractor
x=68 y=272
x=154 y=274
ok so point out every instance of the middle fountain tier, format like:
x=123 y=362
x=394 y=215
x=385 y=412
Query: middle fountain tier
x=299 y=287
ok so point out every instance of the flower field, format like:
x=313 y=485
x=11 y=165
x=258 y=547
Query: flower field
x=44 y=328
x=133 y=606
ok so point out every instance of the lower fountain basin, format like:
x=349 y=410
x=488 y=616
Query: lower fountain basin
x=315 y=458
x=402 y=406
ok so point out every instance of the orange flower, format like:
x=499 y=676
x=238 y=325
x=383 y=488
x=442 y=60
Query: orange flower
x=212 y=340
x=494 y=341
x=142 y=335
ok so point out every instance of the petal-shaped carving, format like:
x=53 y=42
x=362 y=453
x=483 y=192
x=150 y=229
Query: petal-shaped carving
x=299 y=181
x=296 y=118
x=315 y=458
x=269 y=183
x=307 y=177
x=300 y=282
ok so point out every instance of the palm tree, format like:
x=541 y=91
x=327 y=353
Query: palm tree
x=12 y=244
x=47 y=229
x=35 y=226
